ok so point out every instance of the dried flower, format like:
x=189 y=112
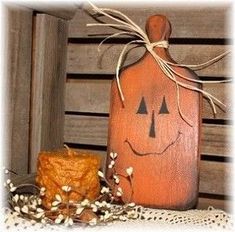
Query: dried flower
x=13 y=189
x=40 y=210
x=6 y=171
x=25 y=209
x=43 y=221
x=116 y=179
x=108 y=205
x=58 y=198
x=68 y=221
x=42 y=191
x=39 y=201
x=122 y=218
x=17 y=209
x=93 y=222
x=94 y=208
x=100 y=174
x=129 y=171
x=8 y=181
x=85 y=202
x=103 y=203
x=15 y=198
x=32 y=222
x=132 y=204
x=59 y=218
x=132 y=214
x=111 y=164
x=55 y=203
x=98 y=203
x=54 y=208
x=66 y=188
x=119 y=192
x=79 y=210
x=105 y=190
x=107 y=215
x=113 y=155
x=39 y=215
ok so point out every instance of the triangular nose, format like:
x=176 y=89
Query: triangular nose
x=152 y=133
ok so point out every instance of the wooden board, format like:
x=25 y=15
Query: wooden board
x=84 y=58
x=215 y=178
x=18 y=80
x=48 y=85
x=187 y=22
x=204 y=203
x=93 y=130
x=62 y=10
x=93 y=95
x=216 y=140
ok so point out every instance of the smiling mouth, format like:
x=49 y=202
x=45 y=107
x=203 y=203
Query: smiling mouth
x=153 y=153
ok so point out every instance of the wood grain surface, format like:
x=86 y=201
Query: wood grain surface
x=205 y=203
x=62 y=10
x=47 y=108
x=18 y=81
x=187 y=21
x=216 y=178
x=93 y=95
x=84 y=58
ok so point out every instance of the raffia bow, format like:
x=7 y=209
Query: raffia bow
x=128 y=27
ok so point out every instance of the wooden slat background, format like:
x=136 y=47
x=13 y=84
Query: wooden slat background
x=48 y=85
x=198 y=34
x=105 y=61
x=18 y=81
x=187 y=22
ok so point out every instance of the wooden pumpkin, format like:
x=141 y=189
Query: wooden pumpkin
x=149 y=134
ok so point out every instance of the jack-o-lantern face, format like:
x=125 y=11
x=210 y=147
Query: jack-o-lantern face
x=143 y=110
x=149 y=134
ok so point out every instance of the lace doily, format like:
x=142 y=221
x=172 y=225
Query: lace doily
x=204 y=219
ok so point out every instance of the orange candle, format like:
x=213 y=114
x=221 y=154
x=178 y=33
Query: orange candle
x=66 y=167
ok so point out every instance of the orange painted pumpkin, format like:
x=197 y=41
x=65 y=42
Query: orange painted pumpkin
x=149 y=134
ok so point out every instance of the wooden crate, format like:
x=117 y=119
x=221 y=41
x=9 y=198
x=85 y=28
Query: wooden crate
x=52 y=103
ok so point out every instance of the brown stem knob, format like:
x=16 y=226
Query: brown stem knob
x=158 y=28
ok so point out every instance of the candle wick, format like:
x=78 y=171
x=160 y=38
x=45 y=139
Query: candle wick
x=70 y=153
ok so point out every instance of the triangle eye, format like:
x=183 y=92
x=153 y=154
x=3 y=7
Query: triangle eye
x=164 y=109
x=142 y=107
